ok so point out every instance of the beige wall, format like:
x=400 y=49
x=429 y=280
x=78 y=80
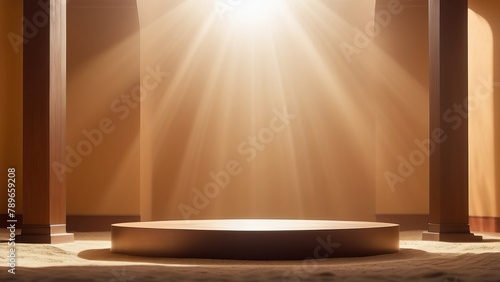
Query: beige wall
x=11 y=114
x=401 y=86
x=226 y=80
x=403 y=110
x=484 y=122
x=335 y=153
x=103 y=123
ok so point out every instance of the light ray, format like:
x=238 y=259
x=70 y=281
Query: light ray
x=233 y=72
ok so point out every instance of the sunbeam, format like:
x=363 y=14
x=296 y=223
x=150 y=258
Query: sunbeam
x=261 y=85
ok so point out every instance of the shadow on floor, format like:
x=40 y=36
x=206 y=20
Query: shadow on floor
x=107 y=255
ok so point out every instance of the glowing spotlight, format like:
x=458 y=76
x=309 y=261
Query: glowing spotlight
x=252 y=13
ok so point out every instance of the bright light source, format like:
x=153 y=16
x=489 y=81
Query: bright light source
x=252 y=13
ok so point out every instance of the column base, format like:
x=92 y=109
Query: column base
x=45 y=234
x=451 y=237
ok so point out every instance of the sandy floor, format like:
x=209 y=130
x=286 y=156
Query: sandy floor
x=89 y=259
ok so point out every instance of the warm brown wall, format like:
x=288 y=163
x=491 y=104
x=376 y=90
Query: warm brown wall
x=397 y=62
x=403 y=109
x=225 y=83
x=484 y=122
x=401 y=87
x=11 y=112
x=103 y=65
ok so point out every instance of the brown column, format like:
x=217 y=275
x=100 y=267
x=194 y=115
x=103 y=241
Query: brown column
x=44 y=98
x=449 y=164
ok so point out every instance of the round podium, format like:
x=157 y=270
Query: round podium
x=255 y=239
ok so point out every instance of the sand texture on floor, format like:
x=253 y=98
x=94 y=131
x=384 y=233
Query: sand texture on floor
x=89 y=259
